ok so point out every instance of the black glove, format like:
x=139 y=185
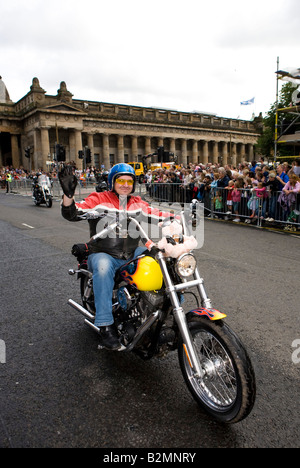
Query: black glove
x=68 y=181
x=80 y=251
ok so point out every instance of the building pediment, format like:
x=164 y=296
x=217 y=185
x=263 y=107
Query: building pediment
x=64 y=108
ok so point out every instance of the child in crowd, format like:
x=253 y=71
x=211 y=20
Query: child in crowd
x=229 y=189
x=262 y=195
x=218 y=202
x=236 y=200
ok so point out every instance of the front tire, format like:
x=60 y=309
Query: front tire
x=227 y=390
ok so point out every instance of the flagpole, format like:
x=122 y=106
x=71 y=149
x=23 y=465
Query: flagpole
x=276 y=115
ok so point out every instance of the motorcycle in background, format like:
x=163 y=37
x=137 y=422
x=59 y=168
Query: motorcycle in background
x=42 y=191
x=152 y=318
x=102 y=182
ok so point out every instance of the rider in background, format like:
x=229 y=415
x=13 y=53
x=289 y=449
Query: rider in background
x=110 y=253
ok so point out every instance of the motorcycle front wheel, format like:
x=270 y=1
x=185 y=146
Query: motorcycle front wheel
x=227 y=389
x=49 y=202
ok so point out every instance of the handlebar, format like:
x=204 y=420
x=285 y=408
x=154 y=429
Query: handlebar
x=105 y=231
x=114 y=226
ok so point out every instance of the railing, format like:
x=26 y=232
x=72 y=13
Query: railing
x=216 y=201
x=25 y=187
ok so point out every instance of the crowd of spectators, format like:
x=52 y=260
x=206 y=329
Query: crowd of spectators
x=23 y=174
x=243 y=193
x=250 y=191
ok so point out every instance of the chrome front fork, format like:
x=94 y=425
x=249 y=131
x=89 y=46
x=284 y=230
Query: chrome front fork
x=180 y=318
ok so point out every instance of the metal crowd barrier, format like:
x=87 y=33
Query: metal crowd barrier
x=251 y=208
x=25 y=187
x=217 y=203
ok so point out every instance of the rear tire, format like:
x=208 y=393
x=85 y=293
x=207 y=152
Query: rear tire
x=227 y=390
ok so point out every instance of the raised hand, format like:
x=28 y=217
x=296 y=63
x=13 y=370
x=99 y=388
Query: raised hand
x=68 y=180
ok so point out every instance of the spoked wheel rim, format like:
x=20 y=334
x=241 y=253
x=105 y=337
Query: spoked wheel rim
x=218 y=389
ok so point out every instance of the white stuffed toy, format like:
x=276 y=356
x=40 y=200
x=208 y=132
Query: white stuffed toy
x=175 y=230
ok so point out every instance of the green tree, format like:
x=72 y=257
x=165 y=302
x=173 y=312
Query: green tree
x=265 y=145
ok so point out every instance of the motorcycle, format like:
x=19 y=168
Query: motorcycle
x=151 y=320
x=42 y=193
x=102 y=182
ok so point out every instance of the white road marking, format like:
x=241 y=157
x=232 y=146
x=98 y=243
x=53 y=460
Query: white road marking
x=27 y=225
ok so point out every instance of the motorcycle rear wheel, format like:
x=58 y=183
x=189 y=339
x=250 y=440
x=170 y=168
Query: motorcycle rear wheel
x=49 y=202
x=227 y=390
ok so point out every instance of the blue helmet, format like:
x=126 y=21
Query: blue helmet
x=118 y=170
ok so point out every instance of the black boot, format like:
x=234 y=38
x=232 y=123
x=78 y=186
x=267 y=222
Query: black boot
x=109 y=337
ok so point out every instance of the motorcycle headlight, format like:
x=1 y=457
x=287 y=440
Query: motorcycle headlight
x=186 y=265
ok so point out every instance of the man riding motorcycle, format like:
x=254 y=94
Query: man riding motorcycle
x=41 y=178
x=108 y=254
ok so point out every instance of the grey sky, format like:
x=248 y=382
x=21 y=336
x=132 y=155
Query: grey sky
x=193 y=55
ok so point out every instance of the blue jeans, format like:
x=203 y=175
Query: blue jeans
x=272 y=206
x=104 y=267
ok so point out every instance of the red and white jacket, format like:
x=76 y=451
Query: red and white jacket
x=110 y=203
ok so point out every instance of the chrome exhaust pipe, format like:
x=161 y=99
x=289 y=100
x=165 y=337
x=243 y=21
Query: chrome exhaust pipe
x=140 y=332
x=90 y=324
x=81 y=309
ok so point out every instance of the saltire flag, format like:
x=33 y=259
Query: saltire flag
x=248 y=103
x=290 y=74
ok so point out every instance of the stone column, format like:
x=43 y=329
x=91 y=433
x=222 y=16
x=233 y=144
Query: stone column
x=78 y=147
x=26 y=162
x=147 y=145
x=134 y=148
x=106 y=160
x=120 y=149
x=242 y=155
x=250 y=154
x=224 y=153
x=72 y=156
x=215 y=152
x=172 y=145
x=183 y=152
x=205 y=152
x=36 y=162
x=15 y=153
x=233 y=154
x=45 y=146
x=195 y=152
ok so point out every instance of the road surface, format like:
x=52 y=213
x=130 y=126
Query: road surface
x=58 y=390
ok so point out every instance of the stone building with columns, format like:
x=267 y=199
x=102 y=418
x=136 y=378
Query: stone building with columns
x=115 y=132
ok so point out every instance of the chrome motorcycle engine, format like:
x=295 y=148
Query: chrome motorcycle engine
x=150 y=301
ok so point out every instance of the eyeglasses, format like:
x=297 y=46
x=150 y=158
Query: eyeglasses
x=124 y=181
